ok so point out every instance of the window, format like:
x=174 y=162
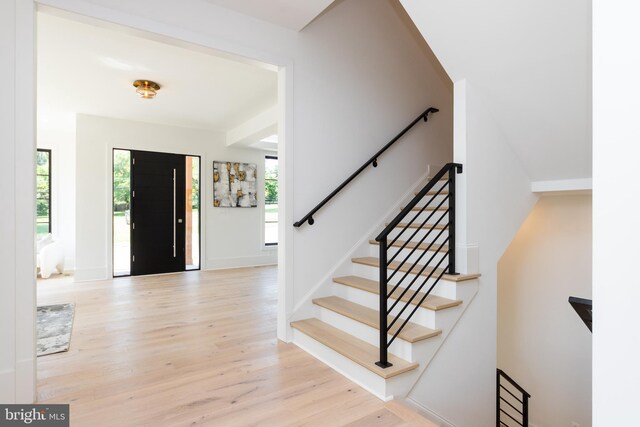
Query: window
x=43 y=192
x=121 y=212
x=192 y=209
x=271 y=200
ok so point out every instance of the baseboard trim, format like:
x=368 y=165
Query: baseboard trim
x=255 y=261
x=26 y=392
x=240 y=266
x=427 y=413
x=90 y=274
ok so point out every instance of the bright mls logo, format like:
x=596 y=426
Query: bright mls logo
x=34 y=415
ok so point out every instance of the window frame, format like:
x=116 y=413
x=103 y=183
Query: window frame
x=268 y=244
x=199 y=212
x=50 y=176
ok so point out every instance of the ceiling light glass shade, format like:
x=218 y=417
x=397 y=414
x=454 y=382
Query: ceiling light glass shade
x=146 y=88
x=146 y=92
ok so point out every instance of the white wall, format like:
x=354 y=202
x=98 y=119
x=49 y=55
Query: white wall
x=17 y=187
x=231 y=237
x=360 y=77
x=616 y=203
x=530 y=62
x=62 y=143
x=542 y=343
x=494 y=198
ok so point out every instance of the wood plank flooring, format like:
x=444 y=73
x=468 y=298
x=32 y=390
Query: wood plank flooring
x=195 y=348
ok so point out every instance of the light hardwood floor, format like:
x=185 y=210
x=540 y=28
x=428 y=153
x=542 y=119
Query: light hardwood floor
x=196 y=348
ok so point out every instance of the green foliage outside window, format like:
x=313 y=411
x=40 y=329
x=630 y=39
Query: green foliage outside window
x=195 y=182
x=121 y=180
x=271 y=183
x=43 y=191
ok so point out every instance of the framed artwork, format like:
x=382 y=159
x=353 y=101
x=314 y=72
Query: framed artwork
x=234 y=185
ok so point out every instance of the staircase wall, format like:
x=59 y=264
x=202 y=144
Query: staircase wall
x=549 y=355
x=375 y=74
x=531 y=63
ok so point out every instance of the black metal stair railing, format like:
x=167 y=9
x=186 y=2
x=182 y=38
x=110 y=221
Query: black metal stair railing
x=373 y=160
x=512 y=408
x=443 y=245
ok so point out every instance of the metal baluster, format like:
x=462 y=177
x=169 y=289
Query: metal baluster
x=452 y=217
x=383 y=363
x=497 y=397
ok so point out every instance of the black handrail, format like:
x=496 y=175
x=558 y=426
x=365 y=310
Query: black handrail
x=518 y=416
x=584 y=308
x=433 y=274
x=513 y=383
x=372 y=161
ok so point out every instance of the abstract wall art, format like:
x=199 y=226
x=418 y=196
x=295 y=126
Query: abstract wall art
x=234 y=185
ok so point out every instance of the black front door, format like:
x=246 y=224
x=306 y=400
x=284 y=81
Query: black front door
x=157 y=213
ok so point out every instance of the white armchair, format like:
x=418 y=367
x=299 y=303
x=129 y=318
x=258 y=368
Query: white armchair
x=50 y=256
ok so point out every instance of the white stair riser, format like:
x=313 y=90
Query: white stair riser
x=399 y=347
x=444 y=288
x=435 y=202
x=417 y=217
x=417 y=255
x=422 y=316
x=417 y=235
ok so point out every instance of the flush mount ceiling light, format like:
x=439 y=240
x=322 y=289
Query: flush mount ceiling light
x=146 y=88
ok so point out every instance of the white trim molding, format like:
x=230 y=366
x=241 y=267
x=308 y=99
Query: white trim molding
x=582 y=185
x=17 y=185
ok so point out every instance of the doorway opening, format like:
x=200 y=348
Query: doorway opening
x=58 y=125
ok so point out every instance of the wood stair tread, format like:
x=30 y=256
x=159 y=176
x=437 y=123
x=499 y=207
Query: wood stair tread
x=412 y=332
x=353 y=348
x=375 y=262
x=432 y=302
x=410 y=245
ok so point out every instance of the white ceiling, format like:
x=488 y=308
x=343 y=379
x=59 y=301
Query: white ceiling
x=532 y=63
x=292 y=14
x=90 y=70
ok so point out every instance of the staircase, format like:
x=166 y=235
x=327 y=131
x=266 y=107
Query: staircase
x=424 y=297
